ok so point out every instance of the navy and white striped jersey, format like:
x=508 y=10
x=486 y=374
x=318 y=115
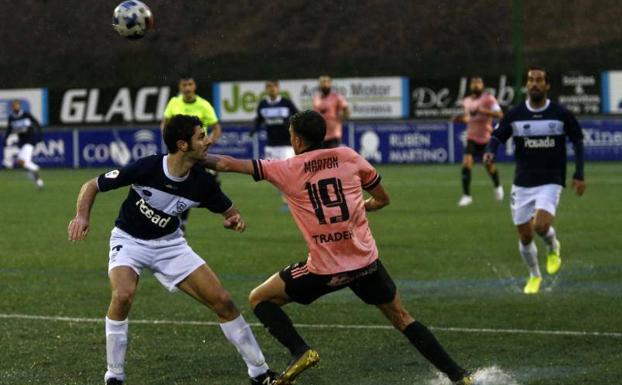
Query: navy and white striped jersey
x=540 y=143
x=156 y=198
x=275 y=116
x=25 y=126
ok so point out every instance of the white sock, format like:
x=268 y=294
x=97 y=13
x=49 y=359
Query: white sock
x=239 y=333
x=529 y=253
x=31 y=166
x=116 y=346
x=550 y=239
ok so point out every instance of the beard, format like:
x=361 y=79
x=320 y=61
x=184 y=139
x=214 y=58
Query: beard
x=477 y=92
x=325 y=90
x=536 y=96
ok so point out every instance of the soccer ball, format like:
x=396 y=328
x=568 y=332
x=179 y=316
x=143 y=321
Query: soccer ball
x=132 y=19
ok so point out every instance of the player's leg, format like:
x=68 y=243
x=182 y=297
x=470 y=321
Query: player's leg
x=24 y=160
x=546 y=206
x=377 y=288
x=493 y=172
x=523 y=211
x=292 y=284
x=467 y=165
x=204 y=286
x=123 y=283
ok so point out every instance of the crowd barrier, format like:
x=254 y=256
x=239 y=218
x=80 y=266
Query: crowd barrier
x=379 y=142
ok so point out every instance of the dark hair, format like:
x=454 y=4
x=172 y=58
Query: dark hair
x=186 y=76
x=539 y=68
x=476 y=76
x=273 y=81
x=180 y=127
x=310 y=126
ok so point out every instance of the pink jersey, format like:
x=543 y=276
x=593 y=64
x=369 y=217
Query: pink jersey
x=479 y=126
x=324 y=190
x=330 y=106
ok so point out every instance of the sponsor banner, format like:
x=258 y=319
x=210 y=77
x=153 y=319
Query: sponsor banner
x=443 y=99
x=113 y=148
x=33 y=100
x=602 y=139
x=108 y=106
x=55 y=150
x=611 y=84
x=369 y=98
x=404 y=142
x=578 y=92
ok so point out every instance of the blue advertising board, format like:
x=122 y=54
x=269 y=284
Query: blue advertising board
x=112 y=147
x=401 y=142
x=55 y=150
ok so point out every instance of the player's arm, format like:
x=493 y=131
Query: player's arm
x=379 y=198
x=215 y=131
x=224 y=163
x=499 y=136
x=257 y=122
x=575 y=134
x=345 y=113
x=163 y=123
x=233 y=220
x=9 y=129
x=37 y=127
x=79 y=225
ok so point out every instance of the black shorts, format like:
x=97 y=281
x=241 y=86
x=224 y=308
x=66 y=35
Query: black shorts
x=475 y=149
x=331 y=143
x=372 y=283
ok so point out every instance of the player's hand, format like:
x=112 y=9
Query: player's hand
x=78 y=229
x=488 y=158
x=235 y=223
x=579 y=186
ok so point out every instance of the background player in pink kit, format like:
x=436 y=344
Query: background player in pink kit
x=479 y=110
x=324 y=189
x=334 y=108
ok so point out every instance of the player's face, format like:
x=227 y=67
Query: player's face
x=537 y=87
x=16 y=105
x=476 y=86
x=272 y=90
x=199 y=143
x=188 y=88
x=325 y=84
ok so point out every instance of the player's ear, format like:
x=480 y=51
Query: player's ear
x=182 y=145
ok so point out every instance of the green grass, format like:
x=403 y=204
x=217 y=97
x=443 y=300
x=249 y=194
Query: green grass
x=454 y=268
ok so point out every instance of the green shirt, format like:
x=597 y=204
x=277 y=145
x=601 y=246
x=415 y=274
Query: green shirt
x=200 y=108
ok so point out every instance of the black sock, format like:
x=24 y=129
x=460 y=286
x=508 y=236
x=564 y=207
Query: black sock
x=466 y=181
x=431 y=349
x=280 y=326
x=495 y=178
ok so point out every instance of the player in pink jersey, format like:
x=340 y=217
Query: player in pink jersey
x=324 y=189
x=479 y=110
x=334 y=108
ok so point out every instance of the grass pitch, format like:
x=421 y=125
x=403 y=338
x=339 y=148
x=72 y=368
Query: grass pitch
x=455 y=268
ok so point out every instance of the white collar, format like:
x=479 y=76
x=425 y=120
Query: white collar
x=167 y=173
x=546 y=105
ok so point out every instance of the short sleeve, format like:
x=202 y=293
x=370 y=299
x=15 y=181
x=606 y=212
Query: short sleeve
x=343 y=103
x=168 y=111
x=492 y=104
x=215 y=200
x=274 y=171
x=368 y=174
x=210 y=118
x=125 y=176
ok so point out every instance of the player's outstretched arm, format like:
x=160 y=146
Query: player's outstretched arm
x=223 y=163
x=379 y=198
x=79 y=225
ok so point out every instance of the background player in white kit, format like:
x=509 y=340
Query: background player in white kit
x=28 y=131
x=147 y=235
x=539 y=128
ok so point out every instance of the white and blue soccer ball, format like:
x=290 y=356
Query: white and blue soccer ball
x=132 y=19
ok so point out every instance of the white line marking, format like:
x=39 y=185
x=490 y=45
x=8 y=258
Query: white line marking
x=324 y=326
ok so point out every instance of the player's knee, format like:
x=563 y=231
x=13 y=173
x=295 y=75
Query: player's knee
x=20 y=163
x=542 y=228
x=256 y=297
x=123 y=297
x=223 y=304
x=526 y=238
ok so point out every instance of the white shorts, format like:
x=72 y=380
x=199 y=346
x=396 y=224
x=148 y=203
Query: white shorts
x=25 y=153
x=279 y=152
x=170 y=258
x=526 y=200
